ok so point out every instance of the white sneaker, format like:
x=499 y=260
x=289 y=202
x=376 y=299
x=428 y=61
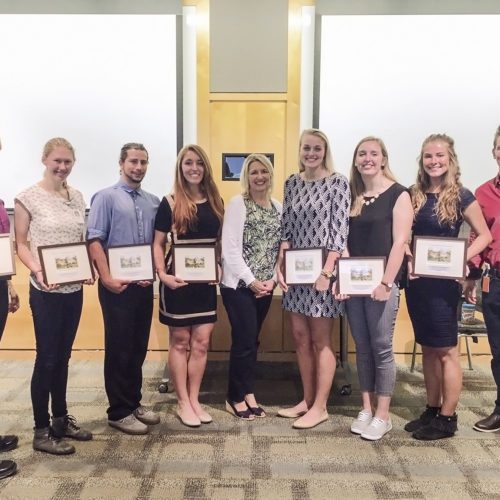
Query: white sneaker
x=129 y=425
x=377 y=429
x=146 y=416
x=362 y=422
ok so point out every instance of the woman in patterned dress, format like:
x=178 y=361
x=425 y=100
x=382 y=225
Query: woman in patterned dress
x=250 y=244
x=315 y=214
x=193 y=215
x=51 y=212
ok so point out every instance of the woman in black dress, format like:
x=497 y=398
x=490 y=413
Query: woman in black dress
x=440 y=204
x=191 y=215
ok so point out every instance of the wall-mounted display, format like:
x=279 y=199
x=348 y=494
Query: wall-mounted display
x=232 y=163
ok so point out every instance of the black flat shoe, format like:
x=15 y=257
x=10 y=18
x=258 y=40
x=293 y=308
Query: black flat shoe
x=244 y=414
x=7 y=468
x=258 y=411
x=8 y=443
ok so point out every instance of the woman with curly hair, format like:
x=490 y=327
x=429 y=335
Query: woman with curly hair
x=440 y=204
x=191 y=215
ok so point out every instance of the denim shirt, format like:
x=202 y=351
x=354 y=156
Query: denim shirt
x=120 y=215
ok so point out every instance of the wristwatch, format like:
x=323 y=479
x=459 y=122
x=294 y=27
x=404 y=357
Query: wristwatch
x=327 y=274
x=387 y=285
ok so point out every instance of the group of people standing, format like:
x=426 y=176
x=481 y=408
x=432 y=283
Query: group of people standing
x=369 y=215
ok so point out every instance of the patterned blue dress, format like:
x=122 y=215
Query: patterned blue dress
x=315 y=214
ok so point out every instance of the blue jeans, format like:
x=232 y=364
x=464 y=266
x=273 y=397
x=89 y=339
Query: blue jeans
x=55 y=317
x=372 y=327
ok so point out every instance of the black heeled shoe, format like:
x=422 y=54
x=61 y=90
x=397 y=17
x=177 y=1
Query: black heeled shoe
x=244 y=414
x=258 y=411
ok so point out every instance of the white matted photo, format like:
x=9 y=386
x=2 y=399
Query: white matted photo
x=195 y=263
x=131 y=263
x=302 y=266
x=359 y=276
x=7 y=261
x=65 y=264
x=435 y=257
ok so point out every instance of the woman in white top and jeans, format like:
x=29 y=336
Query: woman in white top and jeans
x=250 y=243
x=52 y=213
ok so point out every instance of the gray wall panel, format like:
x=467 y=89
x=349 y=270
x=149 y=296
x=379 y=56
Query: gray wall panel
x=248 y=45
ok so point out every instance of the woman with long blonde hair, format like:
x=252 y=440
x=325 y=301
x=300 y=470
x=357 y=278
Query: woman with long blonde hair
x=191 y=215
x=440 y=205
x=316 y=210
x=380 y=223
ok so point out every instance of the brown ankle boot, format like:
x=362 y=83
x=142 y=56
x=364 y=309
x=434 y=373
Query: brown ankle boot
x=43 y=440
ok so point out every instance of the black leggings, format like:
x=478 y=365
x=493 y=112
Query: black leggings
x=246 y=315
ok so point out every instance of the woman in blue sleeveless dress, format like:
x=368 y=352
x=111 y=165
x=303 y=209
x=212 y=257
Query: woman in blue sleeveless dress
x=440 y=204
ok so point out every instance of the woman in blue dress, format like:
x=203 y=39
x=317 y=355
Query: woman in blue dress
x=440 y=204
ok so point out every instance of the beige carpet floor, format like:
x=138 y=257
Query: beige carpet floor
x=264 y=459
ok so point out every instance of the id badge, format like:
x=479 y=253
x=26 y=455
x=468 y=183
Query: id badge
x=485 y=288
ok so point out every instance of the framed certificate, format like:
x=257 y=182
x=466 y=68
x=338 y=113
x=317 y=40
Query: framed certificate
x=131 y=263
x=65 y=264
x=302 y=266
x=7 y=261
x=439 y=257
x=359 y=276
x=195 y=263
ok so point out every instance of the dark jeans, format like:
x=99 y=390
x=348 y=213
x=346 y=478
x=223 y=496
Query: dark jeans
x=127 y=322
x=55 y=317
x=246 y=315
x=4 y=305
x=491 y=311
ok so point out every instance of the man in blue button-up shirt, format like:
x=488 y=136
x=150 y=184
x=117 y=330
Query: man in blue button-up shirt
x=124 y=214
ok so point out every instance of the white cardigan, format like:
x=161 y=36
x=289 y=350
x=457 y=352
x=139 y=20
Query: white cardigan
x=234 y=267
